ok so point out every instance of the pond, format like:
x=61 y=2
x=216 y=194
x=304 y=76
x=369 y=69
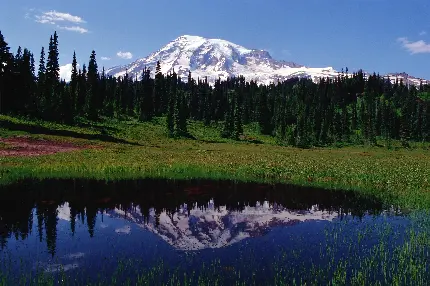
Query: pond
x=154 y=232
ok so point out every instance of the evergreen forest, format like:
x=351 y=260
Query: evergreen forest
x=352 y=108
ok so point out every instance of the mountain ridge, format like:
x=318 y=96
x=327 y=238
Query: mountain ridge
x=218 y=58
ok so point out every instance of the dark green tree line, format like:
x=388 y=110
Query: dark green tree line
x=354 y=109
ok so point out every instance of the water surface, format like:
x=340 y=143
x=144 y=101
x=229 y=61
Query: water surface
x=88 y=228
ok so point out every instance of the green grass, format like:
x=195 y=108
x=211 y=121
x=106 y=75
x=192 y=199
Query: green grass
x=129 y=149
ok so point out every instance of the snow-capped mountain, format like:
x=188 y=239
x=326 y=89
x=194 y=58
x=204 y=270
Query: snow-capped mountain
x=216 y=58
x=202 y=227
x=407 y=79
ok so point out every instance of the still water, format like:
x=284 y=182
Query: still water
x=93 y=230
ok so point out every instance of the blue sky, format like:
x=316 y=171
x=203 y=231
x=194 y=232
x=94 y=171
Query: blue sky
x=375 y=35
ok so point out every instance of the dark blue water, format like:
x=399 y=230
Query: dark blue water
x=88 y=229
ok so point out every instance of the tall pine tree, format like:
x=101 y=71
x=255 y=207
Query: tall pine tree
x=6 y=65
x=52 y=79
x=93 y=102
x=74 y=80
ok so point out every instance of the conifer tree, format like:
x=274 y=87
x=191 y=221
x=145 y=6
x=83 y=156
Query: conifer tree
x=103 y=92
x=124 y=94
x=127 y=97
x=140 y=92
x=229 y=120
x=93 y=105
x=238 y=114
x=263 y=113
x=5 y=74
x=184 y=115
x=41 y=73
x=27 y=78
x=109 y=100
x=67 y=109
x=147 y=98
x=207 y=103
x=193 y=96
x=82 y=90
x=425 y=127
x=159 y=93
x=117 y=104
x=180 y=115
x=219 y=101
x=32 y=65
x=52 y=79
x=16 y=83
x=18 y=56
x=405 y=118
x=22 y=81
x=32 y=99
x=170 y=120
x=74 y=80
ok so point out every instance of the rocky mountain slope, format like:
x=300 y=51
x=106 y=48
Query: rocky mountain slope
x=216 y=58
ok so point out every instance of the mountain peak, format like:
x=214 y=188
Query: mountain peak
x=212 y=58
x=188 y=38
x=217 y=58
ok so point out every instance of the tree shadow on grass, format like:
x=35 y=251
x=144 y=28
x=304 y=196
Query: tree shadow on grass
x=43 y=130
x=188 y=136
x=210 y=141
x=102 y=129
x=253 y=141
x=249 y=141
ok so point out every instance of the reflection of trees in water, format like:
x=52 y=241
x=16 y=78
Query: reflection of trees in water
x=39 y=215
x=73 y=214
x=91 y=213
x=51 y=220
x=16 y=218
x=87 y=198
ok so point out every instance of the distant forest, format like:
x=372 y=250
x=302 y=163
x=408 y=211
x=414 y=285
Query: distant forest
x=298 y=112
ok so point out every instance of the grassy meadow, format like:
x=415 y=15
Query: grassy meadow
x=128 y=149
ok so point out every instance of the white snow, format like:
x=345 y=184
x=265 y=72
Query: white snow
x=210 y=227
x=217 y=58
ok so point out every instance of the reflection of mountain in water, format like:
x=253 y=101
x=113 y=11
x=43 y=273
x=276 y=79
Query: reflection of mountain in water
x=153 y=203
x=214 y=227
